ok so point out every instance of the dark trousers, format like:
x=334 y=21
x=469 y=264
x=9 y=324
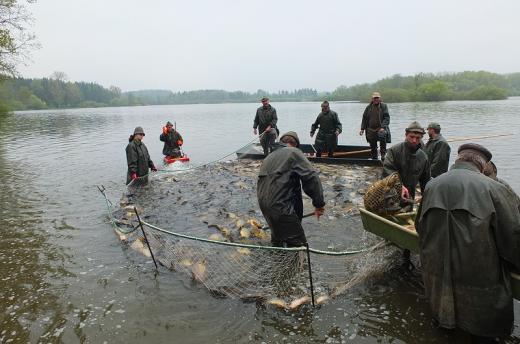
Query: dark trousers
x=382 y=148
x=267 y=141
x=326 y=143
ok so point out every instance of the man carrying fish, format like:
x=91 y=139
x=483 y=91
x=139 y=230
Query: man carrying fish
x=279 y=191
x=330 y=128
x=265 y=121
x=438 y=150
x=469 y=235
x=172 y=141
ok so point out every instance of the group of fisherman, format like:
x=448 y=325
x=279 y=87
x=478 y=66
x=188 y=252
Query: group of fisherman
x=468 y=221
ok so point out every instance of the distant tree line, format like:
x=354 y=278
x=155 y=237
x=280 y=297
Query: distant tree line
x=469 y=85
x=57 y=92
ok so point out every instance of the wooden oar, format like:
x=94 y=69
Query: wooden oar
x=352 y=152
x=476 y=137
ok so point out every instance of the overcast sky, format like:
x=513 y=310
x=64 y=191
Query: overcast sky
x=271 y=45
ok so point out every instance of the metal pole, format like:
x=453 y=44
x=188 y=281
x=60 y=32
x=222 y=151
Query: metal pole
x=310 y=272
x=145 y=238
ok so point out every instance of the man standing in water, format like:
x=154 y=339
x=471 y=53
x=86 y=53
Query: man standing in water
x=279 y=191
x=375 y=124
x=469 y=235
x=330 y=128
x=438 y=150
x=172 y=141
x=138 y=158
x=265 y=121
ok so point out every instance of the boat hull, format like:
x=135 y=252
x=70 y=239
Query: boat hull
x=170 y=160
x=408 y=239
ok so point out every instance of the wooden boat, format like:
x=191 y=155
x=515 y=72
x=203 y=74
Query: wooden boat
x=344 y=155
x=170 y=159
x=394 y=229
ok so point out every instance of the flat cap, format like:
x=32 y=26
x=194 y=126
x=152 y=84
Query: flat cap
x=415 y=127
x=477 y=149
x=169 y=124
x=434 y=125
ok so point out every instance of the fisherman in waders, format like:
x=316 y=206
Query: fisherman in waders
x=172 y=141
x=265 y=121
x=138 y=158
x=375 y=124
x=411 y=163
x=329 y=129
x=438 y=150
x=469 y=235
x=282 y=175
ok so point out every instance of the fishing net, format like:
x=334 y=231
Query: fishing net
x=383 y=196
x=252 y=273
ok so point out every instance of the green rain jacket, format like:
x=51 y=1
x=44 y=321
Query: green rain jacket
x=171 y=147
x=413 y=168
x=280 y=181
x=469 y=233
x=265 y=117
x=328 y=123
x=138 y=160
x=438 y=151
x=384 y=119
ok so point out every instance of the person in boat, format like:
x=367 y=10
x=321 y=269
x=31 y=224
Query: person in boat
x=172 y=141
x=375 y=124
x=265 y=121
x=409 y=161
x=469 y=235
x=438 y=150
x=138 y=158
x=279 y=191
x=329 y=129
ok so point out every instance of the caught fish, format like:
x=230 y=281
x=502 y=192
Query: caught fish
x=186 y=262
x=245 y=232
x=259 y=233
x=232 y=216
x=225 y=231
x=141 y=247
x=322 y=299
x=255 y=223
x=295 y=304
x=198 y=271
x=278 y=303
x=244 y=250
x=239 y=223
x=216 y=237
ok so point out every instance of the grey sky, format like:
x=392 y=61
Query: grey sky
x=272 y=45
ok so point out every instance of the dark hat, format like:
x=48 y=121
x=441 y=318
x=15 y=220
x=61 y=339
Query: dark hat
x=434 y=125
x=476 y=148
x=264 y=99
x=325 y=103
x=293 y=135
x=138 y=130
x=169 y=124
x=415 y=127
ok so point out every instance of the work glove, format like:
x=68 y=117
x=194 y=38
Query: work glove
x=133 y=176
x=154 y=169
x=180 y=142
x=165 y=130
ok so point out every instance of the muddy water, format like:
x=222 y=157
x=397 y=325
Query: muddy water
x=65 y=276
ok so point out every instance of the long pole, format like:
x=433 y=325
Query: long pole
x=310 y=272
x=476 y=137
x=145 y=237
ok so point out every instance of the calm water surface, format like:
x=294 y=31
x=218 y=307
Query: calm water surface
x=65 y=277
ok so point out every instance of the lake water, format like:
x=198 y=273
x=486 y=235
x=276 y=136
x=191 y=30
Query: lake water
x=66 y=278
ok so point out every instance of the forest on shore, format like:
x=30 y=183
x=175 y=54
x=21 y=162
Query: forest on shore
x=57 y=92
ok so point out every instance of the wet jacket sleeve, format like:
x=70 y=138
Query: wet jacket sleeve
x=389 y=165
x=310 y=180
x=162 y=137
x=385 y=116
x=255 y=123
x=339 y=127
x=131 y=158
x=364 y=119
x=316 y=124
x=507 y=227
